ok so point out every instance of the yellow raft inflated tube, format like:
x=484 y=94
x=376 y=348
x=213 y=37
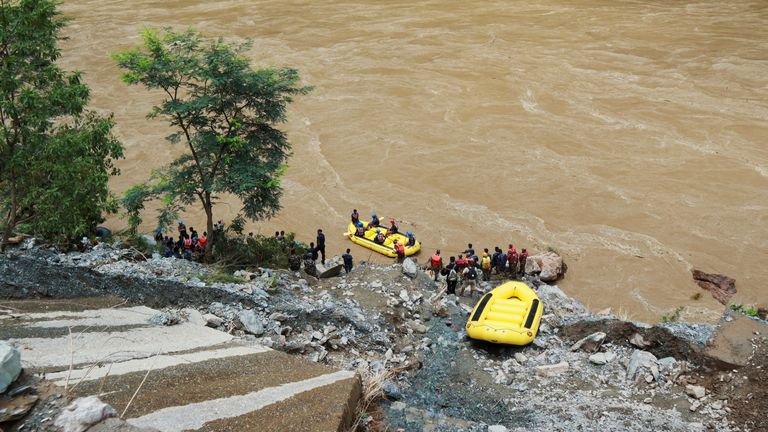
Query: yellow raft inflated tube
x=387 y=248
x=509 y=314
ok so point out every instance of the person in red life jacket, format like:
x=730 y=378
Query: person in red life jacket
x=379 y=239
x=399 y=250
x=512 y=259
x=436 y=263
x=360 y=230
x=523 y=258
x=393 y=228
x=182 y=230
x=355 y=217
x=187 y=243
x=203 y=240
x=461 y=263
x=485 y=266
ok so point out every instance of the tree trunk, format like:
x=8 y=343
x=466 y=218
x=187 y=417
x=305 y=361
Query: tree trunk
x=208 y=206
x=11 y=221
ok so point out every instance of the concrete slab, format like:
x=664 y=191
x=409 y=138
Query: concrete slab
x=182 y=377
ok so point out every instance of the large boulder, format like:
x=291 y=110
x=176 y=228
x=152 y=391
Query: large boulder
x=720 y=286
x=640 y=360
x=548 y=265
x=410 y=268
x=84 y=413
x=251 y=322
x=10 y=365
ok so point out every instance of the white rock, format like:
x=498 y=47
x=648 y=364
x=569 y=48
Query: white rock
x=590 y=343
x=84 y=413
x=194 y=316
x=549 y=265
x=410 y=268
x=521 y=358
x=602 y=358
x=212 y=320
x=637 y=340
x=404 y=296
x=497 y=428
x=251 y=322
x=642 y=360
x=552 y=370
x=10 y=365
x=695 y=391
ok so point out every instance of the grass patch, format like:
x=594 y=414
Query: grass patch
x=673 y=316
x=221 y=277
x=750 y=311
x=553 y=250
x=696 y=296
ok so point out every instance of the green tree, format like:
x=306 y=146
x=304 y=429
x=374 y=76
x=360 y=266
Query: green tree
x=55 y=156
x=224 y=111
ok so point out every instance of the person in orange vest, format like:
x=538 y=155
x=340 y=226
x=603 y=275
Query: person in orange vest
x=485 y=266
x=523 y=258
x=512 y=259
x=399 y=250
x=436 y=263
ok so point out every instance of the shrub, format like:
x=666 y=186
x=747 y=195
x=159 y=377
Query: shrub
x=673 y=316
x=234 y=251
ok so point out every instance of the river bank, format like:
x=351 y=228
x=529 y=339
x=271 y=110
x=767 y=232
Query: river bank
x=410 y=348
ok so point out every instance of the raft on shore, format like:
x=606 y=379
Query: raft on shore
x=508 y=314
x=387 y=248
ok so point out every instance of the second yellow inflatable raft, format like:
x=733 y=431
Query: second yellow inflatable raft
x=387 y=248
x=509 y=314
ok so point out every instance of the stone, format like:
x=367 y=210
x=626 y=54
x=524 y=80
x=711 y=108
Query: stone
x=149 y=240
x=590 y=343
x=16 y=408
x=521 y=358
x=251 y=322
x=602 y=358
x=10 y=365
x=404 y=296
x=497 y=428
x=667 y=364
x=640 y=360
x=720 y=286
x=329 y=272
x=117 y=425
x=398 y=406
x=552 y=370
x=637 y=340
x=391 y=390
x=410 y=268
x=194 y=316
x=168 y=317
x=694 y=391
x=548 y=265
x=417 y=326
x=83 y=413
x=212 y=320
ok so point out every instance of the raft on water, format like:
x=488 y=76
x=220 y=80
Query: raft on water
x=387 y=248
x=508 y=314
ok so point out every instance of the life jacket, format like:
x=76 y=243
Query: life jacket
x=187 y=243
x=512 y=256
x=399 y=248
x=360 y=231
x=380 y=238
x=485 y=263
x=461 y=263
x=437 y=261
x=203 y=241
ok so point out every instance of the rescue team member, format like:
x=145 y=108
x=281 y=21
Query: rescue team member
x=355 y=217
x=452 y=279
x=523 y=259
x=485 y=266
x=399 y=250
x=182 y=230
x=347 y=257
x=360 y=232
x=469 y=276
x=461 y=263
x=375 y=223
x=321 y=244
x=411 y=239
x=436 y=263
x=469 y=251
x=512 y=259
x=379 y=239
x=393 y=228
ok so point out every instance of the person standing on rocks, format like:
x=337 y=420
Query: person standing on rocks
x=452 y=279
x=469 y=278
x=469 y=251
x=309 y=260
x=523 y=259
x=485 y=266
x=512 y=259
x=294 y=260
x=182 y=230
x=399 y=250
x=321 y=244
x=436 y=263
x=348 y=261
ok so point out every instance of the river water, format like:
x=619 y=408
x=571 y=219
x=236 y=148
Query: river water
x=630 y=136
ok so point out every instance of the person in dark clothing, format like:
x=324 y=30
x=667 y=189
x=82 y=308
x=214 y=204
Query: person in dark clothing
x=451 y=263
x=523 y=258
x=452 y=279
x=182 y=230
x=360 y=230
x=374 y=221
x=347 y=257
x=469 y=251
x=321 y=244
x=355 y=217
x=158 y=234
x=294 y=260
x=411 y=239
x=379 y=239
x=312 y=252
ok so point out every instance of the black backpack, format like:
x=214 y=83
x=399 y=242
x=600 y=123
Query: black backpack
x=472 y=273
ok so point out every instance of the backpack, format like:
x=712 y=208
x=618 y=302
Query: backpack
x=471 y=273
x=452 y=276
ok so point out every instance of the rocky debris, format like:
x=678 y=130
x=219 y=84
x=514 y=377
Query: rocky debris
x=591 y=343
x=16 y=406
x=497 y=428
x=552 y=370
x=251 y=322
x=548 y=266
x=117 y=425
x=391 y=390
x=642 y=360
x=720 y=286
x=695 y=391
x=332 y=268
x=212 y=320
x=637 y=340
x=169 y=317
x=602 y=358
x=83 y=413
x=10 y=365
x=410 y=268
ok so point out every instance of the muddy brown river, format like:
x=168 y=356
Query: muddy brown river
x=630 y=136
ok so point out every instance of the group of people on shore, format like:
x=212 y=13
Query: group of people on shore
x=190 y=245
x=469 y=266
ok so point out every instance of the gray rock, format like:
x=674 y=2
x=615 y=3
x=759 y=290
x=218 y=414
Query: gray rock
x=194 y=316
x=83 y=413
x=521 y=358
x=638 y=341
x=497 y=428
x=10 y=365
x=117 y=425
x=552 y=370
x=251 y=322
x=149 y=240
x=168 y=317
x=212 y=320
x=695 y=391
x=398 y=406
x=391 y=390
x=410 y=268
x=602 y=358
x=590 y=343
x=642 y=360
x=667 y=364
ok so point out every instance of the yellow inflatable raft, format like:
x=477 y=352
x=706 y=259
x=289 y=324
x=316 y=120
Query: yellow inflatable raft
x=509 y=314
x=387 y=248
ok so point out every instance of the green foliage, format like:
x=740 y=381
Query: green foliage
x=673 y=316
x=224 y=112
x=55 y=156
x=746 y=310
x=233 y=251
x=553 y=250
x=696 y=296
x=220 y=277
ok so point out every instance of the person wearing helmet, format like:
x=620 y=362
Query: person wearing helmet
x=393 y=228
x=399 y=250
x=360 y=230
x=379 y=239
x=182 y=229
x=374 y=221
x=411 y=239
